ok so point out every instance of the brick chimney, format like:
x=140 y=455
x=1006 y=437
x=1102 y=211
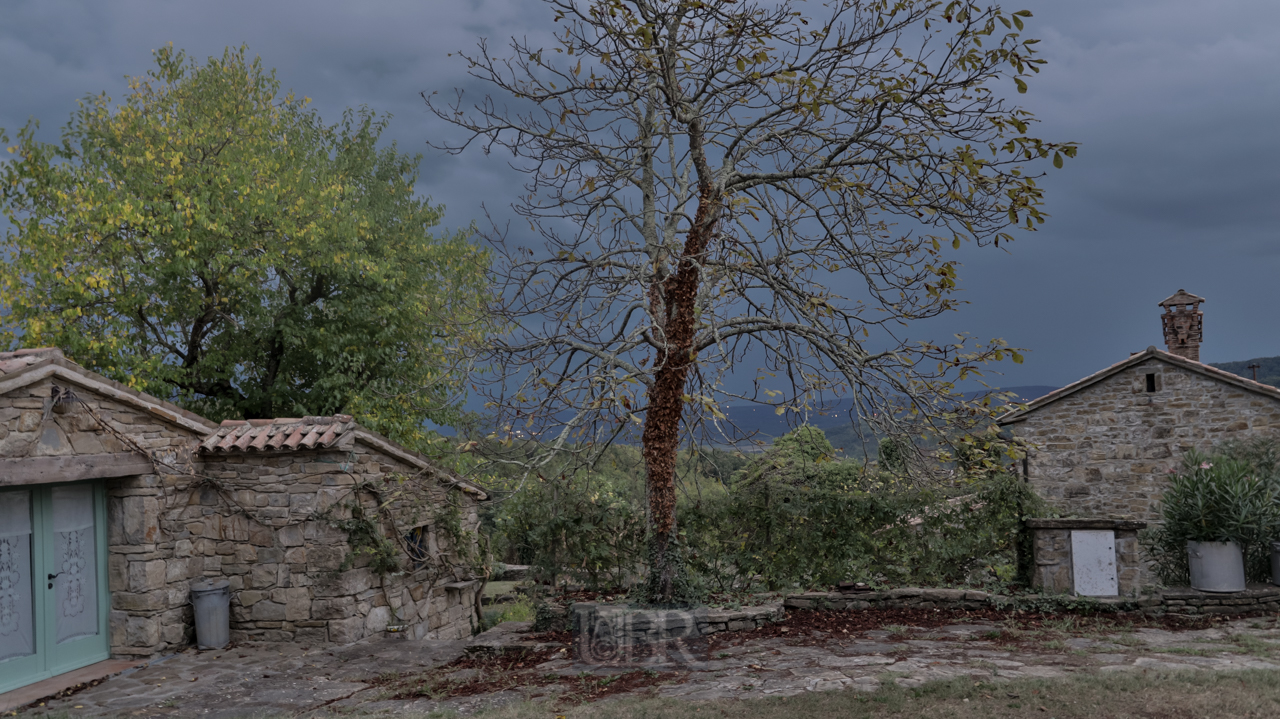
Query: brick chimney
x=1183 y=324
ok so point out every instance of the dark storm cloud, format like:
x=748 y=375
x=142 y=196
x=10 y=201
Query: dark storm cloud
x=1176 y=104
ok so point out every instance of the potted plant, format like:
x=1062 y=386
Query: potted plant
x=1223 y=510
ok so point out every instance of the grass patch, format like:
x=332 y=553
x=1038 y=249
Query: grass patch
x=1187 y=651
x=1127 y=641
x=497 y=589
x=517 y=611
x=1253 y=645
x=1249 y=694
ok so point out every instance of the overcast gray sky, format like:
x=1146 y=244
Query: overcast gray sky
x=1176 y=104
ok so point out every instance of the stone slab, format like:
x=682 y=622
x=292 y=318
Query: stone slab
x=31 y=693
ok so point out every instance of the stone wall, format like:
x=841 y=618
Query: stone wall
x=903 y=598
x=269 y=527
x=621 y=634
x=253 y=518
x=1257 y=599
x=1106 y=450
x=150 y=609
x=1052 y=571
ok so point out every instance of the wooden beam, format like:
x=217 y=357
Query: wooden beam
x=47 y=470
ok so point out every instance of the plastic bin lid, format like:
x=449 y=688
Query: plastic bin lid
x=209 y=585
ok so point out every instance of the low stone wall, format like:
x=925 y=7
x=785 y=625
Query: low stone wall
x=1257 y=599
x=620 y=634
x=904 y=598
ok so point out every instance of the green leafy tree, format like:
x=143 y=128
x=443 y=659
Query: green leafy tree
x=212 y=241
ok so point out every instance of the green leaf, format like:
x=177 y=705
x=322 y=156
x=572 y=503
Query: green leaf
x=1022 y=86
x=1057 y=160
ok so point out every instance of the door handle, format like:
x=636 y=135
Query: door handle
x=52 y=577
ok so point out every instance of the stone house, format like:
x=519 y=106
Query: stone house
x=1103 y=446
x=112 y=501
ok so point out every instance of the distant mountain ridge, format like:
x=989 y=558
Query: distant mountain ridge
x=1268 y=373
x=768 y=424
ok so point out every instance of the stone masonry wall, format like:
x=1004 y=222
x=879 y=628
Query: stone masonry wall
x=1257 y=599
x=146 y=574
x=1053 y=574
x=251 y=523
x=269 y=529
x=620 y=634
x=1106 y=450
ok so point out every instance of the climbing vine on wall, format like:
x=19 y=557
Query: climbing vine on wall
x=366 y=539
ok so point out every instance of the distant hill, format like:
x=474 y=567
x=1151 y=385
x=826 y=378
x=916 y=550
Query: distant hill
x=1268 y=373
x=835 y=422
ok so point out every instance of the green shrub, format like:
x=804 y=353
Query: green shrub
x=795 y=516
x=586 y=529
x=798 y=517
x=1232 y=496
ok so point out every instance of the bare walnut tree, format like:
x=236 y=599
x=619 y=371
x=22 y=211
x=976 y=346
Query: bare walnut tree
x=723 y=182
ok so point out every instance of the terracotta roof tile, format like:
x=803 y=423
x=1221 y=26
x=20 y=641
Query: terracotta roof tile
x=285 y=433
x=309 y=433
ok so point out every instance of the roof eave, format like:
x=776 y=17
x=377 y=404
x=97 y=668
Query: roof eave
x=1150 y=353
x=408 y=456
x=68 y=371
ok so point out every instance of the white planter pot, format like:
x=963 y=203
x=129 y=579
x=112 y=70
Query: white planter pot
x=1275 y=562
x=1216 y=566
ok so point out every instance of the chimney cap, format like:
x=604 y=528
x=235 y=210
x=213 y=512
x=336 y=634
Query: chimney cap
x=1181 y=297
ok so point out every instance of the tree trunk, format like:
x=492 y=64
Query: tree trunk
x=660 y=441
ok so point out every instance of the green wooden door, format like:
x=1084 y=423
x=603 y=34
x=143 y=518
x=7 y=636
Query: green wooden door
x=53 y=581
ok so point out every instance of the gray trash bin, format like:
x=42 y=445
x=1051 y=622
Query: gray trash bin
x=211 y=599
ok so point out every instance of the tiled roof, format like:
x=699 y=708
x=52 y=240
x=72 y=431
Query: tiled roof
x=1181 y=297
x=284 y=433
x=1139 y=357
x=238 y=436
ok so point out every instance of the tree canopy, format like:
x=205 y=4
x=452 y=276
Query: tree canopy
x=212 y=241
x=779 y=182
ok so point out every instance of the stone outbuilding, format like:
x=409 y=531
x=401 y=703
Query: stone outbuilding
x=113 y=501
x=1103 y=446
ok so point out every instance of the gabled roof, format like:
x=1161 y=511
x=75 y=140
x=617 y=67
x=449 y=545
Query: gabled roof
x=338 y=431
x=24 y=367
x=28 y=366
x=1181 y=297
x=1150 y=353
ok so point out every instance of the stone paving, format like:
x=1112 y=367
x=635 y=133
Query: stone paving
x=294 y=680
